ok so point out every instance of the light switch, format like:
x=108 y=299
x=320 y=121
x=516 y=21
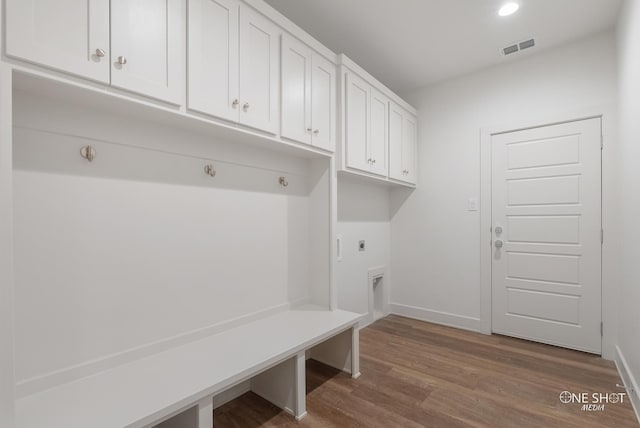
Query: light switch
x=472 y=204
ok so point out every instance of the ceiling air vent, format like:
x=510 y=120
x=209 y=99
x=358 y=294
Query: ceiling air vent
x=517 y=47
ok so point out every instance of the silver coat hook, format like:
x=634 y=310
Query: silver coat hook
x=283 y=182
x=208 y=169
x=88 y=152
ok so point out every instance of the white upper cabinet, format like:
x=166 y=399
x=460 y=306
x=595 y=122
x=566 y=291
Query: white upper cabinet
x=213 y=77
x=68 y=35
x=323 y=103
x=259 y=78
x=379 y=133
x=308 y=96
x=357 y=123
x=378 y=129
x=233 y=63
x=402 y=145
x=136 y=45
x=367 y=125
x=296 y=91
x=147 y=47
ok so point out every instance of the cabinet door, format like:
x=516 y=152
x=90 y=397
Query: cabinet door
x=259 y=60
x=296 y=91
x=68 y=35
x=379 y=134
x=357 y=123
x=213 y=58
x=410 y=149
x=396 y=142
x=323 y=103
x=147 y=46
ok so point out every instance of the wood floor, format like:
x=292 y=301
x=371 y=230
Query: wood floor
x=416 y=374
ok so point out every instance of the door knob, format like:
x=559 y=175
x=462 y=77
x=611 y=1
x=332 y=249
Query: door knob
x=499 y=243
x=316 y=131
x=498 y=230
x=308 y=129
x=235 y=103
x=245 y=107
x=100 y=53
x=122 y=60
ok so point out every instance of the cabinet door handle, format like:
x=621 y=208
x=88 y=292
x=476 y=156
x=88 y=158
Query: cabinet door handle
x=373 y=161
x=235 y=103
x=308 y=129
x=122 y=60
x=245 y=107
x=100 y=53
x=316 y=132
x=369 y=161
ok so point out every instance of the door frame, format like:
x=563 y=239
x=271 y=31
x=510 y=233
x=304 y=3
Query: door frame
x=486 y=215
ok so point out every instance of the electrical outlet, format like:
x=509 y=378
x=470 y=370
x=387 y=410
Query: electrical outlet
x=361 y=245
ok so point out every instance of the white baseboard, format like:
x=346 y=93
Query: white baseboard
x=437 y=317
x=629 y=381
x=69 y=374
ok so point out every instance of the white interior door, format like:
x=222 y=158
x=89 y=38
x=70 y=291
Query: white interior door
x=213 y=58
x=546 y=211
x=259 y=63
x=69 y=35
x=147 y=46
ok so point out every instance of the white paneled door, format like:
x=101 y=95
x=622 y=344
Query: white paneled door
x=546 y=254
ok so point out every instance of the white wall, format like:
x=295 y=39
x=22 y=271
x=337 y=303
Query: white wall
x=6 y=246
x=363 y=214
x=629 y=193
x=435 y=240
x=140 y=248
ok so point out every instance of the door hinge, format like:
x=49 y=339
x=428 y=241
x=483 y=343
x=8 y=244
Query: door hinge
x=602 y=236
x=601 y=329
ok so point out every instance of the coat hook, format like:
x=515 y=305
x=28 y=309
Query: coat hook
x=208 y=169
x=283 y=182
x=88 y=152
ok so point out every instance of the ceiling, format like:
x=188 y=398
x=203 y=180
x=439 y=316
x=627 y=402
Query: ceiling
x=408 y=44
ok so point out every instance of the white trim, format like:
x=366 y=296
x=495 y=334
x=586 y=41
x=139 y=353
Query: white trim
x=629 y=380
x=437 y=317
x=485 y=200
x=30 y=386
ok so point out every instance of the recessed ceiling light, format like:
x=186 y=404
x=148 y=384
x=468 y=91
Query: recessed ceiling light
x=508 y=9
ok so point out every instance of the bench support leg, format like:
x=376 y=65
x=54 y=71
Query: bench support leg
x=205 y=413
x=355 y=352
x=341 y=351
x=301 y=388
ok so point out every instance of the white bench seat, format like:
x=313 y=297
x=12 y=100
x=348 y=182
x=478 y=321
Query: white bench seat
x=148 y=390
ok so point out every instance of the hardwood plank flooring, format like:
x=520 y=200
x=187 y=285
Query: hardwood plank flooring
x=416 y=374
